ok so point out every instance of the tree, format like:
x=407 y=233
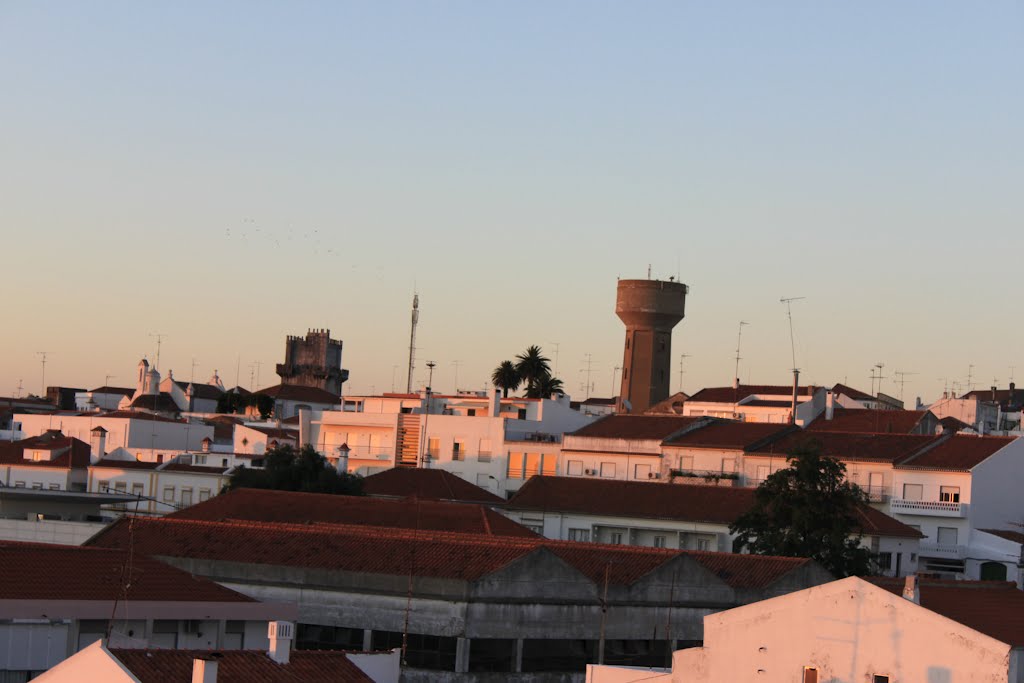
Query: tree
x=284 y=469
x=546 y=386
x=807 y=510
x=532 y=367
x=506 y=377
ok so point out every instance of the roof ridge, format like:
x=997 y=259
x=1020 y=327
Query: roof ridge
x=940 y=439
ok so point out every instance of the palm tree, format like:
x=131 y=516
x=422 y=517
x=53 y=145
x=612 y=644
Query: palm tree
x=546 y=386
x=506 y=377
x=532 y=367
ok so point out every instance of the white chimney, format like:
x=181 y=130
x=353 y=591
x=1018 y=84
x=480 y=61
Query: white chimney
x=911 y=590
x=830 y=406
x=98 y=443
x=280 y=634
x=494 y=409
x=735 y=382
x=204 y=669
x=342 y=465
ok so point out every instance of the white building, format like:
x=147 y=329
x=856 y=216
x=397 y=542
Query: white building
x=131 y=430
x=757 y=403
x=852 y=630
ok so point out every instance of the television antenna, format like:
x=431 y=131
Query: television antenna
x=589 y=369
x=43 y=355
x=902 y=379
x=682 y=357
x=412 y=340
x=739 y=336
x=879 y=376
x=789 y=314
x=159 y=340
x=457 y=364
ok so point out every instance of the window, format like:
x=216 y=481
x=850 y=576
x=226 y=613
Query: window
x=549 y=467
x=884 y=561
x=686 y=463
x=471 y=412
x=728 y=465
x=762 y=474
x=55 y=487
x=37 y=485
x=879 y=679
x=608 y=470
x=659 y=541
x=433 y=446
x=137 y=490
x=186 y=497
x=120 y=486
x=204 y=494
x=532 y=465
x=616 y=538
x=704 y=543
x=641 y=471
x=575 y=468
x=19 y=484
x=949 y=494
x=168 y=494
x=947 y=535
x=515 y=465
x=484 y=454
x=199 y=459
x=579 y=534
x=521 y=415
x=458 y=450
x=913 y=491
x=810 y=674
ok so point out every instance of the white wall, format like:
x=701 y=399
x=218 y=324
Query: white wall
x=997 y=502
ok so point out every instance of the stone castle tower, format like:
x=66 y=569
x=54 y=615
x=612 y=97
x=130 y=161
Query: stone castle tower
x=313 y=361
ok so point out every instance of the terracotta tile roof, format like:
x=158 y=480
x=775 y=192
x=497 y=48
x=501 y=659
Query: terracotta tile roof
x=395 y=552
x=207 y=391
x=123 y=391
x=855 y=394
x=731 y=435
x=598 y=402
x=36 y=571
x=959 y=452
x=126 y=464
x=729 y=394
x=223 y=427
x=259 y=505
x=995 y=608
x=851 y=446
x=874 y=421
x=243 y=666
x=760 y=403
x=1003 y=397
x=426 y=483
x=134 y=415
x=275 y=432
x=644 y=427
x=76 y=455
x=951 y=423
x=1009 y=535
x=654 y=500
x=293 y=392
x=161 y=402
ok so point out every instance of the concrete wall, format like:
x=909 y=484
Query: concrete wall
x=48 y=531
x=996 y=500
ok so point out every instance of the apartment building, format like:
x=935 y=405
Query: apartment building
x=758 y=403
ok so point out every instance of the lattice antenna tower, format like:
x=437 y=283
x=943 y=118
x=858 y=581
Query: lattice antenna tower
x=412 y=340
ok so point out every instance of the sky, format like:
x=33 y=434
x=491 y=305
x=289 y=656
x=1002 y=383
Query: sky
x=226 y=174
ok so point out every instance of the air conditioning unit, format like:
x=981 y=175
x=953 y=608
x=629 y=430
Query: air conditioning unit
x=590 y=473
x=654 y=475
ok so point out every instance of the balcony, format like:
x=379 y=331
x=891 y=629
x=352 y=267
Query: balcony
x=942 y=550
x=704 y=477
x=930 y=508
x=878 y=494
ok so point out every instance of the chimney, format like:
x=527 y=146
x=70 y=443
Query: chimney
x=343 y=451
x=735 y=382
x=994 y=394
x=280 y=634
x=204 y=669
x=494 y=408
x=206 y=444
x=98 y=443
x=830 y=405
x=1012 y=401
x=911 y=589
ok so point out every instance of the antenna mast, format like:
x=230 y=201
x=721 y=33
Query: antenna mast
x=739 y=336
x=159 y=340
x=412 y=340
x=902 y=379
x=42 y=355
x=789 y=314
x=682 y=357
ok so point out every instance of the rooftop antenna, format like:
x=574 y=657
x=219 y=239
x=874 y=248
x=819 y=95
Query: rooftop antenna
x=682 y=357
x=43 y=355
x=879 y=376
x=159 y=340
x=430 y=381
x=789 y=314
x=588 y=369
x=648 y=271
x=1012 y=368
x=970 y=375
x=19 y=389
x=556 y=345
x=739 y=336
x=107 y=378
x=457 y=363
x=412 y=340
x=902 y=379
x=394 y=371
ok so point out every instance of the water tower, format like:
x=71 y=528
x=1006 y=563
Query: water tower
x=649 y=309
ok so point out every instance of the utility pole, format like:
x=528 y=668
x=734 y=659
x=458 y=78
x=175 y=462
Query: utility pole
x=43 y=355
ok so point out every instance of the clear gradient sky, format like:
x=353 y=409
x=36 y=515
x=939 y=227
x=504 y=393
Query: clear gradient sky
x=229 y=173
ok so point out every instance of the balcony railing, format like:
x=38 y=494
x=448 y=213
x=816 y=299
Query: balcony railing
x=928 y=507
x=942 y=550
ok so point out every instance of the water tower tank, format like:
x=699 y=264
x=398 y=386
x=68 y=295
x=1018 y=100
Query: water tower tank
x=649 y=309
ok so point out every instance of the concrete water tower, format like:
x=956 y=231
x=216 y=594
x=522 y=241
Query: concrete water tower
x=650 y=309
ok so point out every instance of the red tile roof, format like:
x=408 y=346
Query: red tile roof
x=952 y=424
x=275 y=432
x=762 y=403
x=1003 y=397
x=242 y=666
x=874 y=421
x=123 y=391
x=995 y=608
x=644 y=427
x=652 y=500
x=730 y=394
x=195 y=469
x=731 y=435
x=434 y=484
x=851 y=446
x=35 y=571
x=76 y=455
x=396 y=552
x=855 y=394
x=260 y=505
x=126 y=464
x=294 y=392
x=135 y=415
x=161 y=402
x=207 y=391
x=959 y=452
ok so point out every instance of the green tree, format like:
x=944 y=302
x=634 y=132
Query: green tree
x=807 y=510
x=286 y=469
x=533 y=367
x=264 y=405
x=506 y=377
x=546 y=386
